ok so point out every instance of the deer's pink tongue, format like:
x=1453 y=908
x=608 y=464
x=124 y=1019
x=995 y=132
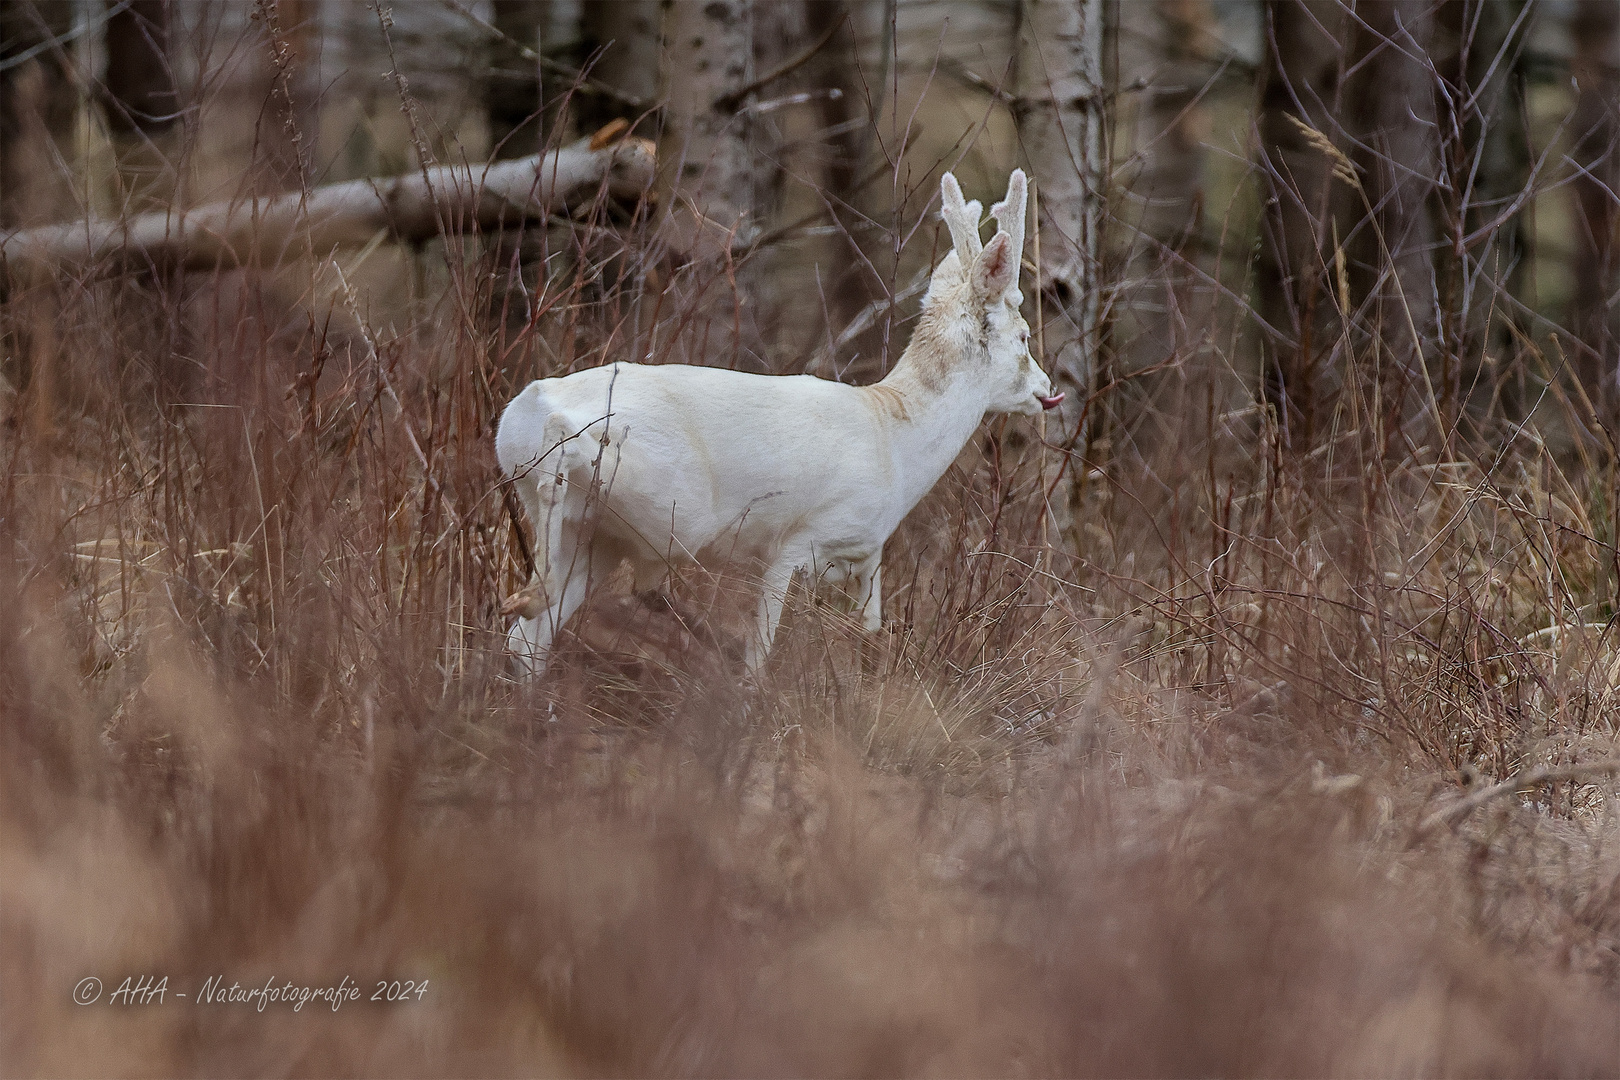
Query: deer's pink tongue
x=1050 y=402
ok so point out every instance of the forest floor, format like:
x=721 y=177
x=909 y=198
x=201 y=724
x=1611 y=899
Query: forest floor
x=1304 y=764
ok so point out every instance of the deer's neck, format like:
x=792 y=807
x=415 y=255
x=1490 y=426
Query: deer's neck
x=931 y=410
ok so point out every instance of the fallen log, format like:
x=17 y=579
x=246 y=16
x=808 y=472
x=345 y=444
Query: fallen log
x=411 y=208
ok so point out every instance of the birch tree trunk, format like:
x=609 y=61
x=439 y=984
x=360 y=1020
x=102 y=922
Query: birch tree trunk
x=709 y=186
x=708 y=54
x=1060 y=115
x=1595 y=133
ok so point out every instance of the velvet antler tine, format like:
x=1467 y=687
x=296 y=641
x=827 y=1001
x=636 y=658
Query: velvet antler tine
x=962 y=219
x=1009 y=215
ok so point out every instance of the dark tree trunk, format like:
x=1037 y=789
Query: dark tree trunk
x=1164 y=46
x=1164 y=309
x=142 y=103
x=1390 y=107
x=847 y=284
x=623 y=37
x=1301 y=83
x=38 y=105
x=1361 y=79
x=1595 y=134
x=1484 y=170
x=139 y=80
x=512 y=97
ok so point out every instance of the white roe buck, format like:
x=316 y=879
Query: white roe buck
x=667 y=464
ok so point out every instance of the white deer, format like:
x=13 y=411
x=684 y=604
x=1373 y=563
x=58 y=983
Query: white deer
x=661 y=465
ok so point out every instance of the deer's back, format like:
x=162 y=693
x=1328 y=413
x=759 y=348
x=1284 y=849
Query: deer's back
x=715 y=459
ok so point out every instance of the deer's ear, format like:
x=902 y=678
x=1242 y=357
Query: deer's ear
x=995 y=270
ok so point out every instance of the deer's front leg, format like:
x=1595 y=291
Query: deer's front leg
x=868 y=592
x=772 y=597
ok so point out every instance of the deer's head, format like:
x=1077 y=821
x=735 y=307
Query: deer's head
x=973 y=301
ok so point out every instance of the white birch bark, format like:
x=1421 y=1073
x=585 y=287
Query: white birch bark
x=413 y=207
x=712 y=188
x=708 y=53
x=1060 y=125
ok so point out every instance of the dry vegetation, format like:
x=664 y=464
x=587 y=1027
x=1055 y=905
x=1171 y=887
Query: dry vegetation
x=1191 y=803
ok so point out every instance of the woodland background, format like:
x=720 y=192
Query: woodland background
x=1256 y=713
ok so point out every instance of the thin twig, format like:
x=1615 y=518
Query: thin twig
x=961 y=71
x=728 y=102
x=63 y=38
x=826 y=207
x=1519 y=781
x=546 y=62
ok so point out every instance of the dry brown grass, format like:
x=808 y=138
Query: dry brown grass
x=1153 y=811
x=1161 y=809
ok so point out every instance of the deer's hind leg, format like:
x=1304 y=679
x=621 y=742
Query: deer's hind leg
x=577 y=565
x=558 y=508
x=773 y=594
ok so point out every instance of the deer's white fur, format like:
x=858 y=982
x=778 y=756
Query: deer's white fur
x=661 y=465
